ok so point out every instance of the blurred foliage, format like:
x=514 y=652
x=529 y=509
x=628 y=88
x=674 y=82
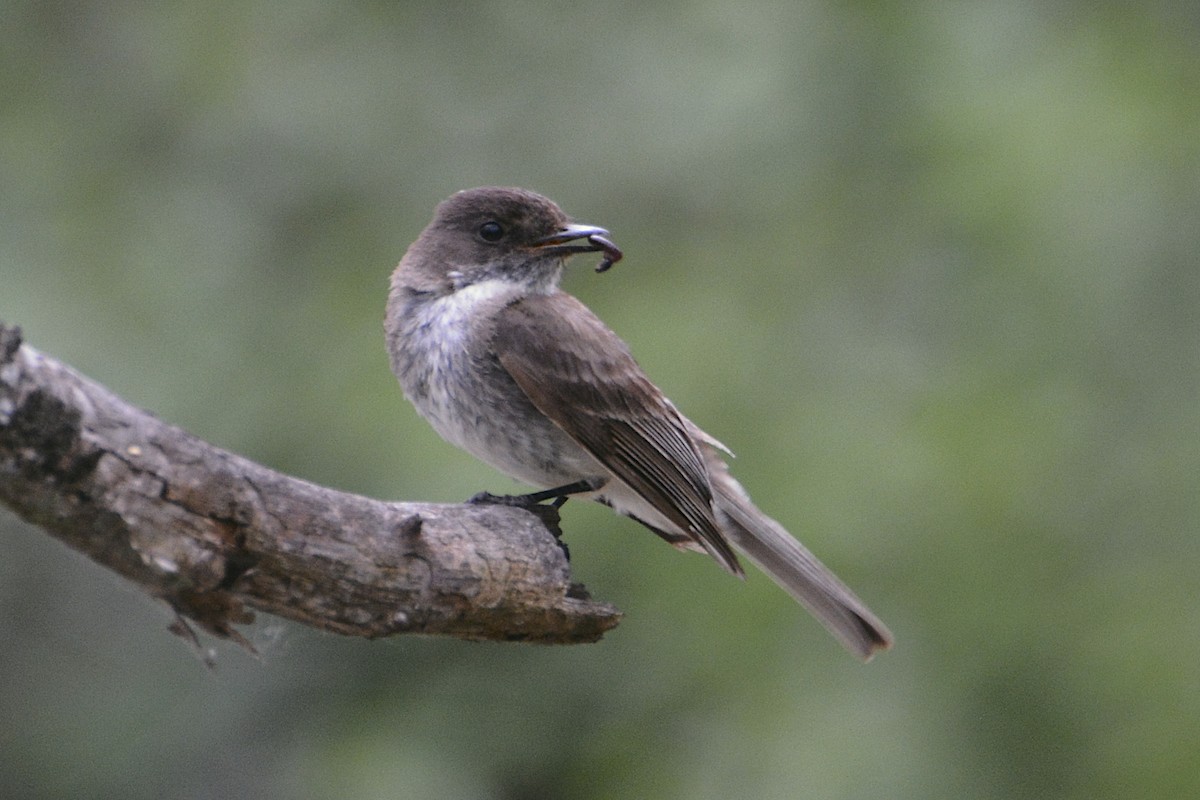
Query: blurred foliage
x=930 y=269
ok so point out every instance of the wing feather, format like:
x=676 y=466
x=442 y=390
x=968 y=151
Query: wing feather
x=583 y=378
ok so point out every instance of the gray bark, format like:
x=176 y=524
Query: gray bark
x=215 y=535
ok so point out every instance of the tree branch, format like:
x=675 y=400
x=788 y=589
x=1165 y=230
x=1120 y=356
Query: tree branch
x=214 y=534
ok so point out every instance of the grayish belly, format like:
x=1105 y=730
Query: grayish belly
x=451 y=377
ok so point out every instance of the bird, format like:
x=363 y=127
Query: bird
x=507 y=366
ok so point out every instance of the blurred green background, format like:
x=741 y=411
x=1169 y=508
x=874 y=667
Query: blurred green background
x=930 y=269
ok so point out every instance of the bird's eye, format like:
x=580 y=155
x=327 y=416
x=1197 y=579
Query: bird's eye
x=491 y=231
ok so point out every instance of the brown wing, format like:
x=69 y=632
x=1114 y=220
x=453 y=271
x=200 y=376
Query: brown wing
x=581 y=375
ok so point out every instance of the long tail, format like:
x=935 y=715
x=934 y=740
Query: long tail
x=765 y=542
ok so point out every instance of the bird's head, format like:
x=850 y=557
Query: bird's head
x=499 y=233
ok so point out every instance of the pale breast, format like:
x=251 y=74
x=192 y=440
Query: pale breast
x=441 y=356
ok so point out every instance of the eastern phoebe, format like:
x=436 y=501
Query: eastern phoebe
x=523 y=376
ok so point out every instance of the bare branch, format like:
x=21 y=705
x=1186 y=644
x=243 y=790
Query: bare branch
x=214 y=534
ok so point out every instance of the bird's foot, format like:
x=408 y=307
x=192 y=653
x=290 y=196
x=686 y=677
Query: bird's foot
x=514 y=500
x=557 y=496
x=535 y=502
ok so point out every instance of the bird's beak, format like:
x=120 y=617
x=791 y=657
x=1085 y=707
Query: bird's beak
x=597 y=242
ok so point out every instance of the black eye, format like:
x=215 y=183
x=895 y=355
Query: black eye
x=491 y=231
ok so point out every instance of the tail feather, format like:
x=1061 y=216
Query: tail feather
x=770 y=547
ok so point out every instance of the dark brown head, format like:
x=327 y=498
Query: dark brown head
x=493 y=232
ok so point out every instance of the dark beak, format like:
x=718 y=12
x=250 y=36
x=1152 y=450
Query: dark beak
x=597 y=242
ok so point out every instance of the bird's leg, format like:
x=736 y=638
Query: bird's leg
x=558 y=495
